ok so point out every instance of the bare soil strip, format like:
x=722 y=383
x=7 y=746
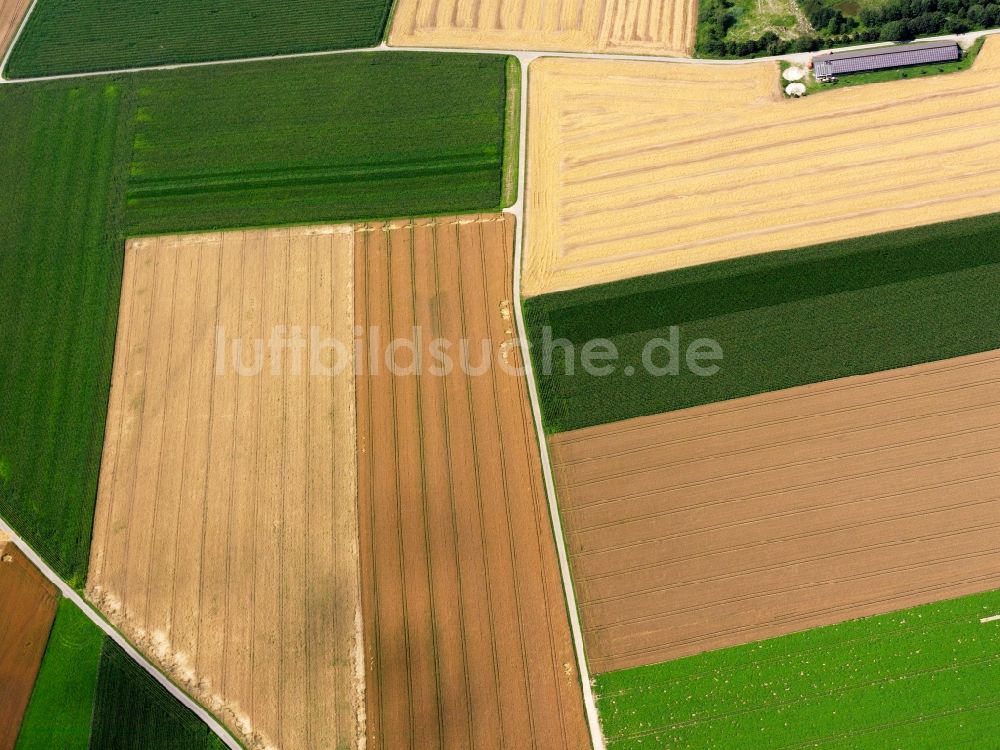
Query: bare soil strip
x=635 y=168
x=467 y=640
x=225 y=539
x=654 y=27
x=28 y=605
x=729 y=523
x=11 y=15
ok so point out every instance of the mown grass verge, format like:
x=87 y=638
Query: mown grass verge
x=782 y=319
x=68 y=36
x=921 y=677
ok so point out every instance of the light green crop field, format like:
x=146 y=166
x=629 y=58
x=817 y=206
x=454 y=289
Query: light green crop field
x=921 y=679
x=69 y=36
x=62 y=703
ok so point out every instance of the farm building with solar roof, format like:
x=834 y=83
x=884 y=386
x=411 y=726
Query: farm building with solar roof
x=881 y=58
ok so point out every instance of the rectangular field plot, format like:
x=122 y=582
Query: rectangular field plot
x=654 y=27
x=350 y=137
x=467 y=638
x=918 y=678
x=28 y=606
x=734 y=522
x=636 y=168
x=65 y=36
x=225 y=540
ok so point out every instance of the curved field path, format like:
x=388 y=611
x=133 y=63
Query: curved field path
x=467 y=640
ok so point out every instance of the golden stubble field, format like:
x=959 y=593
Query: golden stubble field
x=11 y=15
x=654 y=27
x=225 y=538
x=635 y=167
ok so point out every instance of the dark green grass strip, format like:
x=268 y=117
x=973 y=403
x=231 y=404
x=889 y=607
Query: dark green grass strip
x=132 y=711
x=919 y=678
x=60 y=277
x=359 y=136
x=783 y=319
x=62 y=702
x=70 y=36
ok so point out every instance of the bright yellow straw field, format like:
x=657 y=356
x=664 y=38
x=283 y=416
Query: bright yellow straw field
x=635 y=167
x=660 y=27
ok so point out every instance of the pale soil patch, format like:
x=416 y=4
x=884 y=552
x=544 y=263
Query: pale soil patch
x=729 y=523
x=467 y=639
x=11 y=15
x=635 y=167
x=27 y=607
x=660 y=27
x=225 y=538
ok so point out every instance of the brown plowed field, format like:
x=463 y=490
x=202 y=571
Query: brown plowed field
x=225 y=538
x=11 y=15
x=653 y=27
x=637 y=167
x=748 y=519
x=467 y=641
x=27 y=606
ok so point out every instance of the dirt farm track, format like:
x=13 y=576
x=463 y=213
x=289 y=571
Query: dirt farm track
x=225 y=537
x=27 y=608
x=738 y=521
x=467 y=636
x=660 y=27
x=635 y=167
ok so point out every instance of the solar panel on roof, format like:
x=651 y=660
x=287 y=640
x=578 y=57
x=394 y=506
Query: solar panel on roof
x=880 y=59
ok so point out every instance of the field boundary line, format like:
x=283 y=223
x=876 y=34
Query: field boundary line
x=572 y=608
x=94 y=616
x=524 y=55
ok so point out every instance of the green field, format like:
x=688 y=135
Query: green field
x=60 y=275
x=62 y=703
x=132 y=711
x=782 y=319
x=366 y=135
x=83 y=164
x=70 y=36
x=920 y=679
x=90 y=694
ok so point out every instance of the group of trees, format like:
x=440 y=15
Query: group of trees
x=896 y=20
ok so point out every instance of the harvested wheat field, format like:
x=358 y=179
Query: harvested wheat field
x=225 y=539
x=11 y=15
x=467 y=641
x=644 y=27
x=743 y=520
x=28 y=605
x=635 y=168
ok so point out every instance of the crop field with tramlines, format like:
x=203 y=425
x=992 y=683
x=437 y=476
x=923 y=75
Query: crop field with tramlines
x=66 y=36
x=85 y=163
x=782 y=319
x=920 y=677
x=732 y=522
x=637 y=167
x=661 y=27
x=400 y=134
x=466 y=636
